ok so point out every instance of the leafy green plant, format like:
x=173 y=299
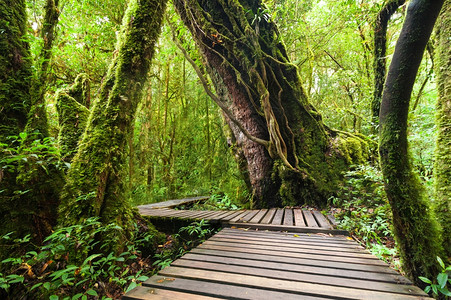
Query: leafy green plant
x=73 y=264
x=443 y=281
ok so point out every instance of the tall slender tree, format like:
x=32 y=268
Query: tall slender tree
x=415 y=230
x=442 y=167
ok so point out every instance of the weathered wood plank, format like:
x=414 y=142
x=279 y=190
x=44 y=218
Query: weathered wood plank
x=294 y=239
x=278 y=217
x=288 y=217
x=309 y=219
x=232 y=215
x=223 y=290
x=267 y=262
x=298 y=218
x=225 y=214
x=281 y=285
x=305 y=260
x=285 y=228
x=307 y=255
x=290 y=235
x=269 y=216
x=363 y=256
x=239 y=217
x=250 y=215
x=332 y=220
x=326 y=247
x=149 y=293
x=300 y=277
x=321 y=220
x=258 y=217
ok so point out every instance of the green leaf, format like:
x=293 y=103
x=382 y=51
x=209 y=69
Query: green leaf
x=36 y=286
x=445 y=292
x=142 y=278
x=54 y=297
x=442 y=278
x=424 y=279
x=427 y=289
x=47 y=285
x=440 y=261
x=77 y=296
x=131 y=287
x=92 y=293
x=435 y=289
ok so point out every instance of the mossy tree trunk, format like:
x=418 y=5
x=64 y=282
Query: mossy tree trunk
x=30 y=196
x=291 y=157
x=442 y=167
x=15 y=101
x=72 y=106
x=380 y=52
x=96 y=179
x=416 y=232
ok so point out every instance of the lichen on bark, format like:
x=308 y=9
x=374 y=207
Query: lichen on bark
x=442 y=166
x=95 y=185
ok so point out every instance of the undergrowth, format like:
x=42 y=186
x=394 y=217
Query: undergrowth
x=72 y=264
x=362 y=208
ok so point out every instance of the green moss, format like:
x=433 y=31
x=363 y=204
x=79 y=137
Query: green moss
x=442 y=167
x=81 y=90
x=72 y=119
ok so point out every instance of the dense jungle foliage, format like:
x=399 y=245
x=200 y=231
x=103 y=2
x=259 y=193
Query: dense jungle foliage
x=173 y=141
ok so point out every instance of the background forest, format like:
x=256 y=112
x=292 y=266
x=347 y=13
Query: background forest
x=181 y=144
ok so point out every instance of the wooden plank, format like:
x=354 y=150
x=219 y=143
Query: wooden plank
x=232 y=215
x=299 y=254
x=293 y=229
x=309 y=219
x=222 y=290
x=278 y=217
x=281 y=285
x=249 y=216
x=298 y=218
x=215 y=215
x=288 y=217
x=240 y=216
x=365 y=256
x=223 y=214
x=294 y=241
x=258 y=217
x=267 y=263
x=305 y=260
x=290 y=235
x=301 y=277
x=149 y=293
x=269 y=216
x=332 y=220
x=288 y=246
x=321 y=220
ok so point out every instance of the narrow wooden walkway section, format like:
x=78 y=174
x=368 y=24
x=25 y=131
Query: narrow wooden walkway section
x=250 y=264
x=176 y=202
x=294 y=219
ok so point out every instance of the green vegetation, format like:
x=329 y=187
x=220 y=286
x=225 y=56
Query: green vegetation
x=255 y=103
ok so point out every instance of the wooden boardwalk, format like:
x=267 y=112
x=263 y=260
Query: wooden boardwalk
x=251 y=264
x=293 y=219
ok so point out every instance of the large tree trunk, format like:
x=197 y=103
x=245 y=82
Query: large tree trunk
x=380 y=52
x=416 y=232
x=442 y=167
x=290 y=154
x=96 y=179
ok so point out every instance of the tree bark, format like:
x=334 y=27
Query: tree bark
x=442 y=167
x=290 y=154
x=380 y=52
x=415 y=230
x=96 y=179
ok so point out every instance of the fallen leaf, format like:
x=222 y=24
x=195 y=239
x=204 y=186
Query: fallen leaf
x=296 y=235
